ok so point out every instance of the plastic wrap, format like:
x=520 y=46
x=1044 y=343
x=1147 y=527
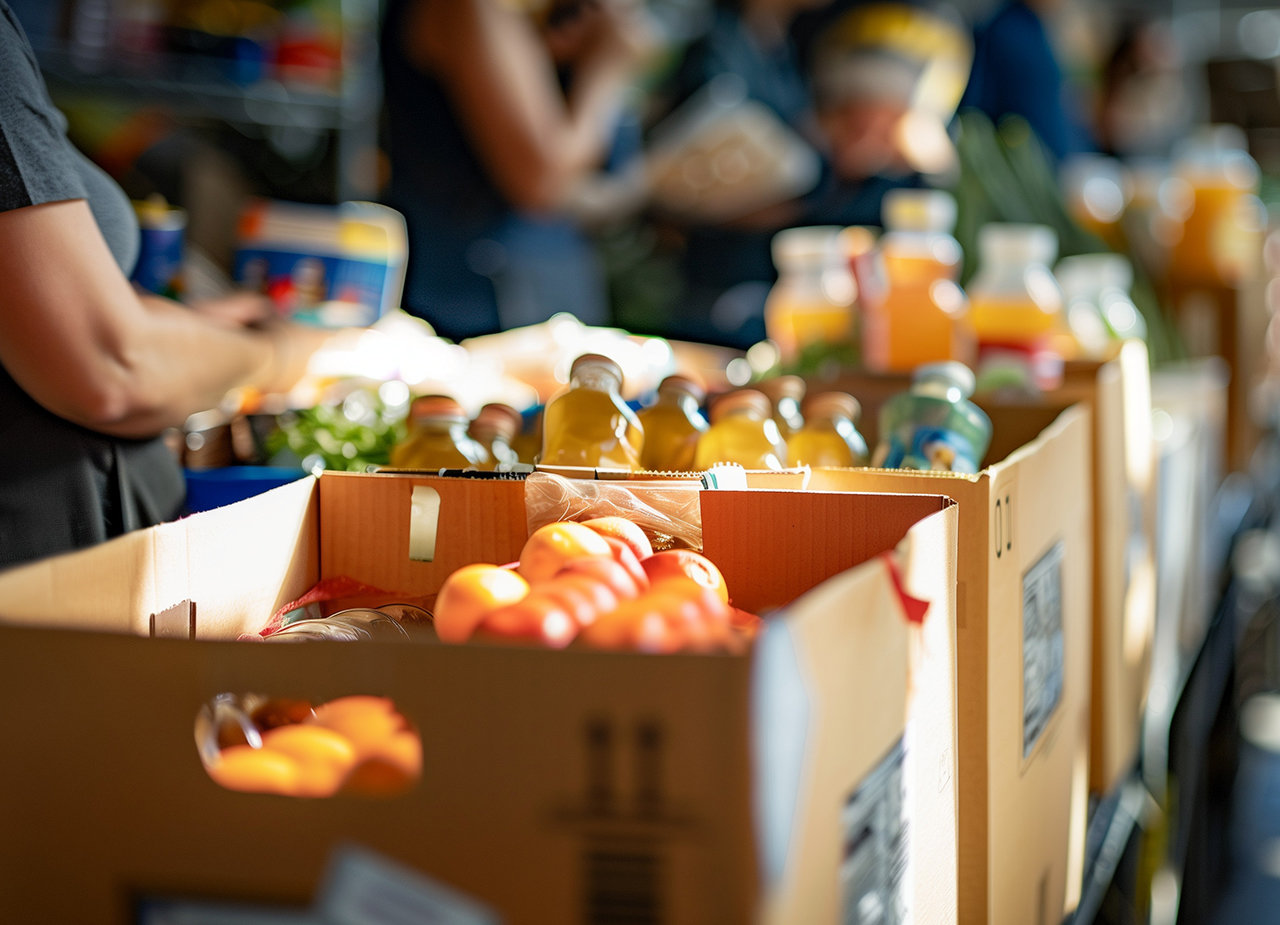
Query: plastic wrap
x=668 y=511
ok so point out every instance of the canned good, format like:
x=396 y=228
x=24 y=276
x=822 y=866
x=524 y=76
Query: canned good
x=159 y=266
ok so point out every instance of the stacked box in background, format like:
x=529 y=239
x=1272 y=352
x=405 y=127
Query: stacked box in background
x=1024 y=602
x=733 y=786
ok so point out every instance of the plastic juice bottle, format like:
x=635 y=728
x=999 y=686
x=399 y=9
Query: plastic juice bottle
x=1015 y=304
x=830 y=434
x=437 y=437
x=1222 y=229
x=1099 y=309
x=812 y=300
x=588 y=423
x=742 y=431
x=934 y=425
x=1097 y=193
x=921 y=316
x=672 y=425
x=494 y=427
x=785 y=393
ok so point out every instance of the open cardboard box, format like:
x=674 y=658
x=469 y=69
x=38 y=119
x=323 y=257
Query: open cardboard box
x=558 y=786
x=1023 y=611
x=1119 y=393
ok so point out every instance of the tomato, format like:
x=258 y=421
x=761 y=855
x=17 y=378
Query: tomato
x=553 y=545
x=672 y=563
x=471 y=592
x=606 y=570
x=601 y=597
x=628 y=531
x=622 y=554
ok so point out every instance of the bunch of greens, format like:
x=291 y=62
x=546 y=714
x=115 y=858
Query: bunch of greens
x=352 y=434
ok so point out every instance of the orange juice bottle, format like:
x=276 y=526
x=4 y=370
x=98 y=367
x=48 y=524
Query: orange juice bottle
x=830 y=434
x=1221 y=234
x=437 y=437
x=494 y=427
x=672 y=425
x=1015 y=305
x=786 y=393
x=588 y=423
x=812 y=301
x=742 y=431
x=921 y=316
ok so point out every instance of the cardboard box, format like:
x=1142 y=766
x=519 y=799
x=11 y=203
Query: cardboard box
x=1024 y=575
x=1118 y=391
x=1124 y=565
x=558 y=786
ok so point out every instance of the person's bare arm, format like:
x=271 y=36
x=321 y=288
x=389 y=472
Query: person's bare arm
x=532 y=140
x=82 y=343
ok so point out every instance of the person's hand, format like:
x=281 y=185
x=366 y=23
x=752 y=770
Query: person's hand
x=293 y=347
x=237 y=310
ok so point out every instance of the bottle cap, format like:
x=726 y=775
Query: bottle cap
x=596 y=361
x=683 y=384
x=436 y=408
x=919 y=210
x=1000 y=242
x=740 y=400
x=805 y=246
x=779 y=387
x=832 y=405
x=1083 y=276
x=951 y=378
x=498 y=419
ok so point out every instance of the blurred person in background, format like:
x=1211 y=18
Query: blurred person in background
x=869 y=85
x=496 y=110
x=92 y=370
x=1016 y=71
x=1143 y=105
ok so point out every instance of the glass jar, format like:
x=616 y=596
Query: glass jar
x=830 y=434
x=588 y=424
x=742 y=431
x=672 y=425
x=812 y=300
x=437 y=437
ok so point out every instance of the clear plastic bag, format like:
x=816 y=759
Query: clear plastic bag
x=668 y=511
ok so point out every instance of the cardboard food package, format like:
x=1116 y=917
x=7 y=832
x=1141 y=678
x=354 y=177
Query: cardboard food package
x=813 y=775
x=1024 y=607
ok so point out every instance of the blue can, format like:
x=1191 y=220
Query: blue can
x=159 y=266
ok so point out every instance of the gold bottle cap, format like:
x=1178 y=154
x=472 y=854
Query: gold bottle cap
x=740 y=400
x=497 y=418
x=832 y=405
x=779 y=387
x=598 y=361
x=685 y=385
x=435 y=408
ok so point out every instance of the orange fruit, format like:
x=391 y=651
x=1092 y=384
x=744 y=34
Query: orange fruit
x=471 y=592
x=674 y=563
x=623 y=555
x=628 y=531
x=324 y=756
x=606 y=570
x=391 y=770
x=365 y=720
x=255 y=770
x=553 y=545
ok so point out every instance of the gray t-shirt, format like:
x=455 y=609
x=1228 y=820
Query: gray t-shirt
x=62 y=486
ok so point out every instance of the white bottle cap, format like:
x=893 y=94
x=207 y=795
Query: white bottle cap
x=806 y=246
x=919 y=210
x=1083 y=276
x=1004 y=243
x=950 y=378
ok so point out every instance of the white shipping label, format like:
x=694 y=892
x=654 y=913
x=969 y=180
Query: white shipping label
x=873 y=869
x=1042 y=645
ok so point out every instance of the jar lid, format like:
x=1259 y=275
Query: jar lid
x=436 y=408
x=919 y=210
x=832 y=405
x=741 y=400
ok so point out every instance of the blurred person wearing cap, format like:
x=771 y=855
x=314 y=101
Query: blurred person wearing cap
x=869 y=85
x=496 y=111
x=1016 y=71
x=92 y=370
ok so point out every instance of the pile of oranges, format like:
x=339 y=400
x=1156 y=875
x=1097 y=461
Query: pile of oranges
x=596 y=583
x=358 y=744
